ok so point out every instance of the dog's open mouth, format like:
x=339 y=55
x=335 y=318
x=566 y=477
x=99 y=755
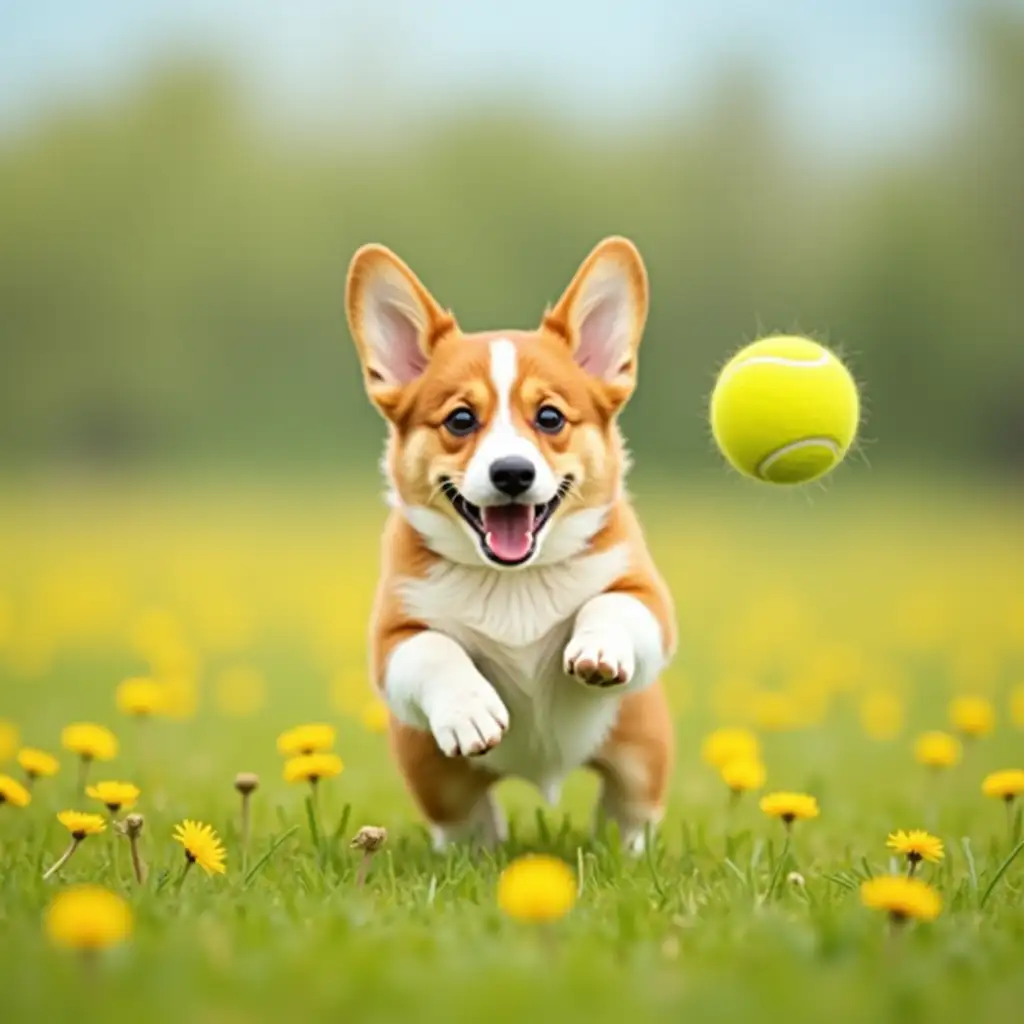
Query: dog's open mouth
x=508 y=533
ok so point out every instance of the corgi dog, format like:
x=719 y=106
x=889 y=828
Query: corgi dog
x=520 y=625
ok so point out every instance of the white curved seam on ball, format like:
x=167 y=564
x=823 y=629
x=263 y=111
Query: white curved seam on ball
x=809 y=364
x=794 y=446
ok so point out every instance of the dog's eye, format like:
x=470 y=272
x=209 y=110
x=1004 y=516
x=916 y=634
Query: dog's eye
x=549 y=419
x=461 y=422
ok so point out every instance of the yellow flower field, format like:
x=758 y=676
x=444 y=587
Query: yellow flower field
x=851 y=664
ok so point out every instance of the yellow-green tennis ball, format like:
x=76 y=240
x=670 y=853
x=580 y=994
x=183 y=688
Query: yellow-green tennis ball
x=785 y=409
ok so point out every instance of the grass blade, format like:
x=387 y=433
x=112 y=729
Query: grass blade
x=649 y=858
x=542 y=828
x=342 y=826
x=1000 y=871
x=258 y=866
x=965 y=844
x=314 y=828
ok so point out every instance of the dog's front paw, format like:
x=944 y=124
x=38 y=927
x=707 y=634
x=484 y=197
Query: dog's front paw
x=466 y=724
x=603 y=659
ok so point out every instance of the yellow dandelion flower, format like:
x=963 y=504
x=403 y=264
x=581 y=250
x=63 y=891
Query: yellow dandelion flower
x=37 y=764
x=140 y=697
x=1006 y=784
x=916 y=845
x=306 y=739
x=743 y=774
x=536 y=887
x=375 y=716
x=724 y=745
x=312 y=767
x=937 y=749
x=789 y=807
x=89 y=918
x=202 y=846
x=117 y=796
x=13 y=792
x=972 y=716
x=9 y=740
x=90 y=742
x=902 y=897
x=81 y=824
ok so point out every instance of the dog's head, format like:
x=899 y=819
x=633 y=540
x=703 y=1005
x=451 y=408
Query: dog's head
x=504 y=448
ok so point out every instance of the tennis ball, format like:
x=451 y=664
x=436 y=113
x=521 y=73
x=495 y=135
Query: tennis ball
x=785 y=410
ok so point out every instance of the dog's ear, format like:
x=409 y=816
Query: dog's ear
x=395 y=323
x=601 y=315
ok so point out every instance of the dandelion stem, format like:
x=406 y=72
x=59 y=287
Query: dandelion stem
x=84 y=764
x=138 y=866
x=62 y=860
x=364 y=868
x=184 y=871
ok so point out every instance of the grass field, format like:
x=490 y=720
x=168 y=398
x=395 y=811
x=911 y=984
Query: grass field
x=836 y=627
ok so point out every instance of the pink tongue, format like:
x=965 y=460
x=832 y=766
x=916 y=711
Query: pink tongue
x=509 y=530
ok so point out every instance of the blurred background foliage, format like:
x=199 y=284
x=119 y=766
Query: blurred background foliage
x=172 y=272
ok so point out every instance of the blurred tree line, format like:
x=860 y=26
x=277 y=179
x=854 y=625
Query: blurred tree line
x=171 y=276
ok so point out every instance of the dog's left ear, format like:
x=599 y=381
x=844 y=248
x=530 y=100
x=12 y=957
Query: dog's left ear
x=601 y=315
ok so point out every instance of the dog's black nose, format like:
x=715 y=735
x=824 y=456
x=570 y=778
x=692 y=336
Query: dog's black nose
x=512 y=475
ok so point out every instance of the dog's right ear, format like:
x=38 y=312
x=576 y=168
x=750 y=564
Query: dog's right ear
x=395 y=322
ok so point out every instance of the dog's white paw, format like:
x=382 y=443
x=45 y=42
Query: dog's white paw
x=468 y=722
x=605 y=659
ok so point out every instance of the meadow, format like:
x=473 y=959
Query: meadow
x=833 y=625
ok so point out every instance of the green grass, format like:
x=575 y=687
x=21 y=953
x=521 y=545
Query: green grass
x=687 y=931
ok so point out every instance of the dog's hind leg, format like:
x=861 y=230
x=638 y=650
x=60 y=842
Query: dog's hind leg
x=634 y=764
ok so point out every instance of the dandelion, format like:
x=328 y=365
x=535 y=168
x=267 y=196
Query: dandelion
x=724 y=745
x=916 y=845
x=140 y=697
x=306 y=739
x=369 y=839
x=91 y=743
x=538 y=888
x=312 y=768
x=81 y=825
x=115 y=796
x=131 y=827
x=903 y=898
x=1006 y=785
x=937 y=749
x=88 y=918
x=789 y=807
x=202 y=846
x=743 y=774
x=13 y=792
x=972 y=717
x=37 y=764
x=246 y=783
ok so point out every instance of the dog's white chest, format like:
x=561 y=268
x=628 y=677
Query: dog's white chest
x=515 y=626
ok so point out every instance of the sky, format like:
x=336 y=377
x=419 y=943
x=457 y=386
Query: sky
x=865 y=74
